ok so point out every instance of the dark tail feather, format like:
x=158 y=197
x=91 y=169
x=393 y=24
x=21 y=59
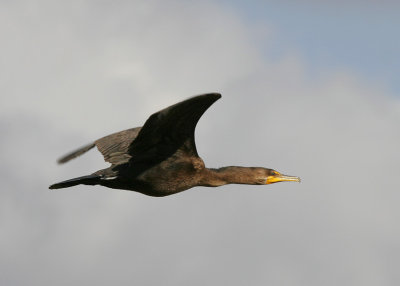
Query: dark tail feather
x=85 y=180
x=75 y=154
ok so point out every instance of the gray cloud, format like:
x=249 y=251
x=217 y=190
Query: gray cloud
x=74 y=72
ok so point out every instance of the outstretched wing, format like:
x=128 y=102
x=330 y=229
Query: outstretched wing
x=114 y=147
x=170 y=129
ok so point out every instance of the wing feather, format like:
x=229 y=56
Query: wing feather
x=170 y=129
x=114 y=147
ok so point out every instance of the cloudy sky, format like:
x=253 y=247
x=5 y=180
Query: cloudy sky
x=309 y=89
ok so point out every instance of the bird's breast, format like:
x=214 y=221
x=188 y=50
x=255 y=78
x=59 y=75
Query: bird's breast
x=172 y=176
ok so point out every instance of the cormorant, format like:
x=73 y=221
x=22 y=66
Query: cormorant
x=160 y=158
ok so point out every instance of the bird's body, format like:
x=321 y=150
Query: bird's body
x=161 y=159
x=172 y=175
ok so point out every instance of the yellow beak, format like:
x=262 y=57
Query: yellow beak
x=281 y=178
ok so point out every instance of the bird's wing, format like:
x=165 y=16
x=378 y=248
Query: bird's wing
x=170 y=129
x=114 y=147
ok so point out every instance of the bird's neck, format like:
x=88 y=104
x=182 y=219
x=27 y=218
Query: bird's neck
x=231 y=175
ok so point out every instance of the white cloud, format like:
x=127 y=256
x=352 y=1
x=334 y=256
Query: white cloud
x=76 y=71
x=74 y=58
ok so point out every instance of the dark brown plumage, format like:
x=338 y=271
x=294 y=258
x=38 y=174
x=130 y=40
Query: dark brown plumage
x=161 y=159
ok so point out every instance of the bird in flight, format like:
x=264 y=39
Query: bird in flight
x=160 y=158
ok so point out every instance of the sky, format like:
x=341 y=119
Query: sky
x=355 y=35
x=308 y=89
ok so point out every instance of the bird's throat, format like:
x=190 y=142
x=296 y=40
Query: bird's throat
x=231 y=175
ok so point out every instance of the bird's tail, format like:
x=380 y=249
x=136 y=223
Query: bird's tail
x=84 y=180
x=75 y=153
